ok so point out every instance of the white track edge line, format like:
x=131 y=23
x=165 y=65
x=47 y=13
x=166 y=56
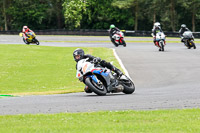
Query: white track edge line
x=121 y=64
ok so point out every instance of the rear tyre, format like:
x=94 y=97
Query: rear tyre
x=128 y=85
x=116 y=45
x=98 y=89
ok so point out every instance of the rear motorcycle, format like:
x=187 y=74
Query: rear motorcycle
x=101 y=80
x=118 y=37
x=160 y=40
x=31 y=38
x=188 y=39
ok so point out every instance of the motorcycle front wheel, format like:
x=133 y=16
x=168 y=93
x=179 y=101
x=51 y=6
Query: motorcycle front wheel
x=96 y=88
x=193 y=44
x=124 y=43
x=162 y=47
x=37 y=42
x=129 y=86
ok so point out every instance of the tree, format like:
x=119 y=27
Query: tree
x=192 y=8
x=55 y=12
x=73 y=12
x=5 y=4
x=30 y=13
x=134 y=5
x=100 y=14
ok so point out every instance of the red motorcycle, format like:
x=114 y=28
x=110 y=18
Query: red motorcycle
x=119 y=39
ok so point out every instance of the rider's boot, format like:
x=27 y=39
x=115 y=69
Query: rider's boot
x=116 y=86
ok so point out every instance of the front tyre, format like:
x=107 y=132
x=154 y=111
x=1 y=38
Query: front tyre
x=37 y=42
x=162 y=46
x=128 y=85
x=124 y=43
x=193 y=44
x=99 y=89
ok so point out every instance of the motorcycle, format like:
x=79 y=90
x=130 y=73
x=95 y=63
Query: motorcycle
x=31 y=38
x=118 y=37
x=188 y=39
x=101 y=80
x=160 y=40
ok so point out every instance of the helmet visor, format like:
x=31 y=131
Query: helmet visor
x=77 y=57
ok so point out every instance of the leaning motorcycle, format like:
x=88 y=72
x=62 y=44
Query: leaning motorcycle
x=160 y=40
x=31 y=38
x=101 y=80
x=188 y=39
x=118 y=37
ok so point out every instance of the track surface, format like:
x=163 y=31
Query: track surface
x=164 y=80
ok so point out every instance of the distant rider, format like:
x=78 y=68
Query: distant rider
x=79 y=54
x=156 y=29
x=182 y=30
x=25 y=30
x=113 y=30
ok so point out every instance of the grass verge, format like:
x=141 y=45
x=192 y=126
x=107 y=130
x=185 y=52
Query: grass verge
x=160 y=121
x=31 y=69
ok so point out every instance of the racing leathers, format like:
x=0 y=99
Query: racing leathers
x=112 y=32
x=25 y=31
x=181 y=31
x=154 y=31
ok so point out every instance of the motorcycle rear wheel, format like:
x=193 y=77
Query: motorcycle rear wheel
x=116 y=45
x=98 y=89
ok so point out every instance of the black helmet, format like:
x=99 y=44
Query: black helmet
x=76 y=52
x=183 y=26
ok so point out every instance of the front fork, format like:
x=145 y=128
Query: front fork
x=94 y=78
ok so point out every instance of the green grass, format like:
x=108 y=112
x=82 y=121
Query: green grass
x=31 y=69
x=161 y=121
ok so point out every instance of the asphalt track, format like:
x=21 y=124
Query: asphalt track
x=163 y=80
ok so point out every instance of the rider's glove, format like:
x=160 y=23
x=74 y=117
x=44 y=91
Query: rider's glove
x=96 y=60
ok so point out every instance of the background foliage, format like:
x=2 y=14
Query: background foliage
x=99 y=14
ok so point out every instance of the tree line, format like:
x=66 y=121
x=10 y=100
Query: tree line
x=99 y=14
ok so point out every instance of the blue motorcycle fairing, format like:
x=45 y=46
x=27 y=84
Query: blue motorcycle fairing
x=105 y=75
x=101 y=72
x=93 y=78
